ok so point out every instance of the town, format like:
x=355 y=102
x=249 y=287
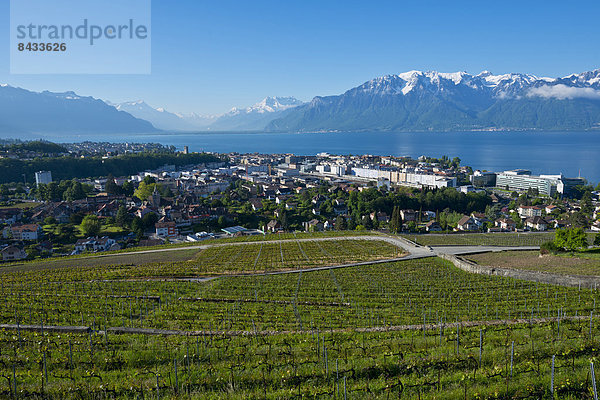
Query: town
x=256 y=194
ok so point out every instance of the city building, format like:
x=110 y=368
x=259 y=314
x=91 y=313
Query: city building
x=483 y=179
x=166 y=229
x=43 y=177
x=549 y=185
x=26 y=232
x=529 y=211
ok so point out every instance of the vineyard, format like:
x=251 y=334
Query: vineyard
x=403 y=329
x=482 y=239
x=219 y=257
x=582 y=263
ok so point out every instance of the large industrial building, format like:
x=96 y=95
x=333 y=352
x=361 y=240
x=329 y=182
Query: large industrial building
x=549 y=185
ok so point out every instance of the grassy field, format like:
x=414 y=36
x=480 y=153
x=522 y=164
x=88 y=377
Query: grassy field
x=587 y=263
x=24 y=205
x=322 y=334
x=483 y=239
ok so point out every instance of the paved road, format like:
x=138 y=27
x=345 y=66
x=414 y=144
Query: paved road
x=416 y=251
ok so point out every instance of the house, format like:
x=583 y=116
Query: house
x=94 y=244
x=10 y=216
x=283 y=190
x=26 y=232
x=596 y=227
x=537 y=223
x=281 y=199
x=506 y=224
x=433 y=226
x=529 y=211
x=273 y=226
x=467 y=224
x=13 y=253
x=256 y=204
x=479 y=218
x=381 y=217
x=551 y=208
x=142 y=211
x=314 y=225
x=318 y=200
x=408 y=215
x=166 y=229
x=340 y=207
x=560 y=223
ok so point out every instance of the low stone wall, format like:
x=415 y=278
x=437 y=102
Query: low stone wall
x=533 y=276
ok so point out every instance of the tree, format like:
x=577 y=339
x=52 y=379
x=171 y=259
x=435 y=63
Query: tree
x=111 y=186
x=149 y=220
x=50 y=221
x=579 y=219
x=137 y=227
x=127 y=189
x=284 y=220
x=65 y=233
x=597 y=240
x=396 y=221
x=144 y=190
x=91 y=226
x=340 y=223
x=74 y=192
x=122 y=218
x=571 y=239
x=367 y=223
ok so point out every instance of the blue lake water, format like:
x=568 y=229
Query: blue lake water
x=540 y=152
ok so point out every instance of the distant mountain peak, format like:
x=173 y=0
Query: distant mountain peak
x=29 y=112
x=426 y=100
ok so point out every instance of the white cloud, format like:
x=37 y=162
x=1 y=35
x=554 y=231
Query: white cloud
x=562 y=92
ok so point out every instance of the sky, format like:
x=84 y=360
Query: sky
x=210 y=56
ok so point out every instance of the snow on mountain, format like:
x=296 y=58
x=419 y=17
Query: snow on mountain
x=504 y=86
x=425 y=100
x=268 y=105
x=159 y=117
x=255 y=117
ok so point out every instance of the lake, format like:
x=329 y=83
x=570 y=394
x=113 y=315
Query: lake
x=541 y=152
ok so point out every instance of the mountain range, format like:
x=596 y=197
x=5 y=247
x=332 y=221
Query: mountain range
x=410 y=101
x=254 y=118
x=417 y=101
x=24 y=112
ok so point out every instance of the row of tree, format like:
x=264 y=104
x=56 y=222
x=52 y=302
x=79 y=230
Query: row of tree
x=72 y=167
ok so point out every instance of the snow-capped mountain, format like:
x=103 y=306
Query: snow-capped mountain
x=256 y=117
x=159 y=117
x=25 y=112
x=418 y=100
x=268 y=105
x=253 y=118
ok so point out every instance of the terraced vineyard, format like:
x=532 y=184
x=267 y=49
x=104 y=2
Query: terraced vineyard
x=405 y=329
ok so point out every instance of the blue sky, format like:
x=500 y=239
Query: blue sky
x=210 y=56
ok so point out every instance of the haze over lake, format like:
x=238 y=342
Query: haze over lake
x=540 y=152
